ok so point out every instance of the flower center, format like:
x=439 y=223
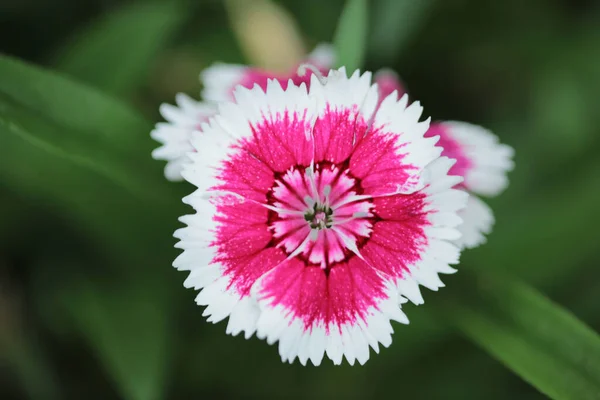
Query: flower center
x=318 y=215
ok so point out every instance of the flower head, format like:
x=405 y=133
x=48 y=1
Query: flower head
x=481 y=160
x=318 y=213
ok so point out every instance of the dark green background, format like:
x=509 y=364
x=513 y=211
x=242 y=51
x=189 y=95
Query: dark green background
x=89 y=305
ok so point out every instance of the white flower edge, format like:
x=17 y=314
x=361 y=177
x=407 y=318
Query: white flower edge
x=478 y=221
x=175 y=135
x=491 y=159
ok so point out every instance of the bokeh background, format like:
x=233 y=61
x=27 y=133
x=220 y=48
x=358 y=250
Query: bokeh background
x=89 y=305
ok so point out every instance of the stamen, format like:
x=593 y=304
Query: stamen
x=280 y=210
x=309 y=201
x=348 y=200
x=310 y=173
x=305 y=67
x=340 y=221
x=327 y=192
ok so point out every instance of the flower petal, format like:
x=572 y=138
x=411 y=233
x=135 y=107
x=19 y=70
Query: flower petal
x=340 y=314
x=175 y=135
x=478 y=220
x=391 y=158
x=345 y=107
x=481 y=159
x=220 y=79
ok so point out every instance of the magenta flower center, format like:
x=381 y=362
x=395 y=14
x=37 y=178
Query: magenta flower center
x=319 y=215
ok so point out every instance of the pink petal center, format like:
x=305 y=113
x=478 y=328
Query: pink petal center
x=319 y=215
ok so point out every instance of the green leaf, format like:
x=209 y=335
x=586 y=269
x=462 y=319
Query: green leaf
x=75 y=106
x=75 y=122
x=20 y=350
x=130 y=331
x=99 y=191
x=28 y=362
x=87 y=157
x=537 y=339
x=116 y=52
x=524 y=227
x=350 y=39
x=394 y=24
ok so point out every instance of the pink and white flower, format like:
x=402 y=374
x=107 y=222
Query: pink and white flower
x=318 y=213
x=481 y=160
x=219 y=82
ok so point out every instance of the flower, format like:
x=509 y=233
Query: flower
x=318 y=213
x=219 y=82
x=481 y=160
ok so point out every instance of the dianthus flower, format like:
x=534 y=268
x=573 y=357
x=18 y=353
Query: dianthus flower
x=318 y=213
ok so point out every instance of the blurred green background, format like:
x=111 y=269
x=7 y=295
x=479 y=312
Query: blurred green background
x=89 y=305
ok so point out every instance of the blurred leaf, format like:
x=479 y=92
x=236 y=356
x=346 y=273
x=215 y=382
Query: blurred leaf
x=75 y=106
x=20 y=349
x=526 y=228
x=87 y=152
x=107 y=185
x=31 y=368
x=12 y=210
x=539 y=340
x=267 y=33
x=99 y=183
x=83 y=125
x=129 y=331
x=116 y=52
x=394 y=23
x=559 y=108
x=103 y=194
x=350 y=39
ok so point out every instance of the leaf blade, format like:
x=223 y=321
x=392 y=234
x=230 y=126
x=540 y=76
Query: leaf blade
x=115 y=52
x=537 y=339
x=109 y=189
x=396 y=23
x=78 y=106
x=351 y=35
